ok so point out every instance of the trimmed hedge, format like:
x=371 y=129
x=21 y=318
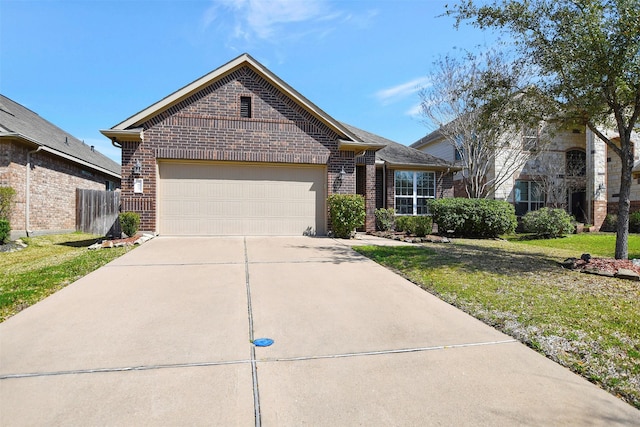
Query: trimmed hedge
x=385 y=219
x=5 y=231
x=346 y=213
x=610 y=223
x=473 y=217
x=129 y=223
x=419 y=226
x=548 y=222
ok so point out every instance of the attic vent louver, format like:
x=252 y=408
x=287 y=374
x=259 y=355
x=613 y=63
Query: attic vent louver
x=245 y=106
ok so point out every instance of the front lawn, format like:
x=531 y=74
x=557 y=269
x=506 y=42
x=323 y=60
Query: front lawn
x=588 y=323
x=47 y=264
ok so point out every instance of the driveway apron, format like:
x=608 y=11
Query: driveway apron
x=162 y=336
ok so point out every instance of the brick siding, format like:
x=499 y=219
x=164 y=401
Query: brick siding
x=207 y=126
x=53 y=184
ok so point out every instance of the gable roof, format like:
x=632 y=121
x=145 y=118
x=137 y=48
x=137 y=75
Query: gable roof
x=398 y=155
x=131 y=126
x=436 y=135
x=18 y=122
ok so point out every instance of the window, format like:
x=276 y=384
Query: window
x=529 y=196
x=530 y=139
x=413 y=191
x=110 y=185
x=245 y=106
x=576 y=163
x=457 y=149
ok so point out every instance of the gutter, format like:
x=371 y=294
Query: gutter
x=27 y=207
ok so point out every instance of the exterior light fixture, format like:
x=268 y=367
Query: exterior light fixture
x=137 y=168
x=342 y=173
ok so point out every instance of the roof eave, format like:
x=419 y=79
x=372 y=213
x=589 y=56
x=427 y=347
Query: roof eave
x=422 y=166
x=346 y=145
x=117 y=135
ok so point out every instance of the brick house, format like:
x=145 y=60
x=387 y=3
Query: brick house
x=576 y=161
x=240 y=152
x=45 y=165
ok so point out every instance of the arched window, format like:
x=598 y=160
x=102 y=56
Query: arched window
x=576 y=164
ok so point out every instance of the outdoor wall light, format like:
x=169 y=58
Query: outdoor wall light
x=137 y=168
x=342 y=173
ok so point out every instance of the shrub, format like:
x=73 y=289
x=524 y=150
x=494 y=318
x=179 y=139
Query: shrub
x=417 y=225
x=473 y=217
x=610 y=223
x=5 y=231
x=385 y=219
x=634 y=222
x=346 y=213
x=129 y=222
x=7 y=194
x=548 y=222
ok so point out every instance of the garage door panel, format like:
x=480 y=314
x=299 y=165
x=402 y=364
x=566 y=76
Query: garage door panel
x=240 y=199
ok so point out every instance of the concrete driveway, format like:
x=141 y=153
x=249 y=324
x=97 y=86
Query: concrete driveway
x=162 y=335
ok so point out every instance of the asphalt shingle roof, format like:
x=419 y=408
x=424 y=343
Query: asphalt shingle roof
x=395 y=153
x=17 y=119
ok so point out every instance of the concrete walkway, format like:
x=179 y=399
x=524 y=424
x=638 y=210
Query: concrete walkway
x=161 y=336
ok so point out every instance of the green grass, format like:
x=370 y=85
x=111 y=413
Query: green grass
x=596 y=244
x=48 y=264
x=588 y=323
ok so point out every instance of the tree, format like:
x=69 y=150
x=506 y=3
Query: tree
x=587 y=53
x=484 y=107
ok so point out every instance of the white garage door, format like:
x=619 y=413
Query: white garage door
x=229 y=199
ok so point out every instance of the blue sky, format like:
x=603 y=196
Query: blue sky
x=87 y=65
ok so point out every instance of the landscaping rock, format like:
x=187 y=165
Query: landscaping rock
x=585 y=257
x=569 y=263
x=623 y=273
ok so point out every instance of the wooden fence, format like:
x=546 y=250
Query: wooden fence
x=97 y=212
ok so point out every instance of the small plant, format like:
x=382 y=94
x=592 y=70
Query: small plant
x=7 y=194
x=5 y=231
x=634 y=222
x=346 y=213
x=129 y=222
x=610 y=223
x=385 y=219
x=418 y=226
x=548 y=222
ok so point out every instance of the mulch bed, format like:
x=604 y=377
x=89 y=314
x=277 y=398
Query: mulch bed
x=608 y=265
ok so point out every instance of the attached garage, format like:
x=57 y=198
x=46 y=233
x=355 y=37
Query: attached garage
x=226 y=198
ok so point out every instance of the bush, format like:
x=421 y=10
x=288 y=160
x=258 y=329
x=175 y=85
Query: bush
x=610 y=223
x=548 y=223
x=346 y=213
x=129 y=222
x=634 y=222
x=419 y=226
x=473 y=217
x=5 y=231
x=7 y=194
x=385 y=219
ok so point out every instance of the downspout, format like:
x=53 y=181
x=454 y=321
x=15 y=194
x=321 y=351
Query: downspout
x=115 y=143
x=27 y=206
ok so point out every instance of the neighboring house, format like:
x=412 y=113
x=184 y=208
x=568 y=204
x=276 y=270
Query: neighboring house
x=45 y=165
x=240 y=152
x=577 y=172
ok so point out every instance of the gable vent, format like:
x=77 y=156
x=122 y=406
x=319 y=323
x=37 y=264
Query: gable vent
x=245 y=106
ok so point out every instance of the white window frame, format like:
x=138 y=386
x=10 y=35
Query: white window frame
x=414 y=196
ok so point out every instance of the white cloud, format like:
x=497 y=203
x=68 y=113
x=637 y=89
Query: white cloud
x=415 y=111
x=264 y=18
x=401 y=91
